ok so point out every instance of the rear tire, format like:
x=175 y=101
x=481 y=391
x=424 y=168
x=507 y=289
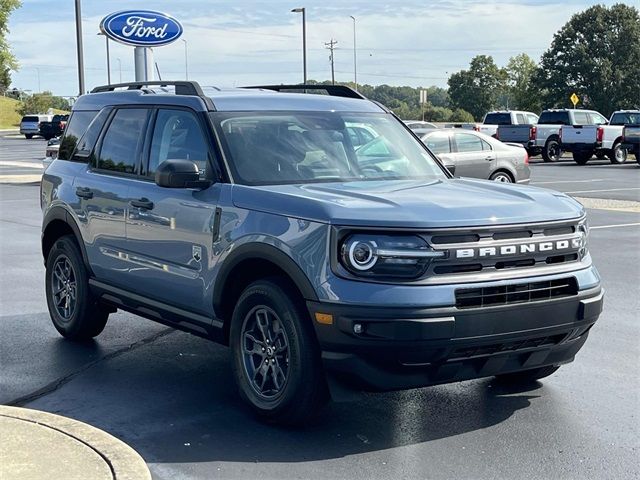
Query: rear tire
x=618 y=155
x=75 y=313
x=581 y=158
x=528 y=375
x=551 y=151
x=502 y=177
x=275 y=354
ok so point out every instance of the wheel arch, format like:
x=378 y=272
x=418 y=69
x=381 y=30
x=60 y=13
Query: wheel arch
x=251 y=262
x=56 y=223
x=504 y=169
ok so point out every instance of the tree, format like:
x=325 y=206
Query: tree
x=7 y=60
x=41 y=102
x=596 y=55
x=523 y=94
x=478 y=89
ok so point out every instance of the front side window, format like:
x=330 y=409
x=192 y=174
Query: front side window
x=264 y=148
x=467 y=142
x=122 y=142
x=581 y=118
x=438 y=143
x=521 y=119
x=177 y=136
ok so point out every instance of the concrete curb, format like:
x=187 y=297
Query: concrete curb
x=38 y=445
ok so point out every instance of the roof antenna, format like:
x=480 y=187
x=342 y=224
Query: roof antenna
x=158 y=71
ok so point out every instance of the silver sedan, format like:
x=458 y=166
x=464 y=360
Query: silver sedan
x=473 y=154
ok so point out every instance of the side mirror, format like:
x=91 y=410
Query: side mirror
x=174 y=173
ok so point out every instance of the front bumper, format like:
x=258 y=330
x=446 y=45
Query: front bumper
x=408 y=347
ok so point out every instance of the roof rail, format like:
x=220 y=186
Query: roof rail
x=332 y=90
x=182 y=87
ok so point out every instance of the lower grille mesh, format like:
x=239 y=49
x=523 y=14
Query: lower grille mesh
x=519 y=293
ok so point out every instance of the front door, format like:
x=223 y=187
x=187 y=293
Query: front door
x=473 y=157
x=169 y=230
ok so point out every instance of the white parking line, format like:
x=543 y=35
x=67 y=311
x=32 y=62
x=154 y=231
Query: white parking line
x=608 y=190
x=615 y=226
x=571 y=181
x=7 y=163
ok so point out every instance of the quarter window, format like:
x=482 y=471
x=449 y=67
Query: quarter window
x=121 y=144
x=177 y=136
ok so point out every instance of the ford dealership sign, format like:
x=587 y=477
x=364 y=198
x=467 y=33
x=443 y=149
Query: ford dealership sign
x=141 y=28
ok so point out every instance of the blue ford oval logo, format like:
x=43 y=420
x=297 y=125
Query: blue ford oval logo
x=141 y=28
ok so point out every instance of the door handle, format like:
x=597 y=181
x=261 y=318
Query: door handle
x=143 y=203
x=84 y=192
x=489 y=158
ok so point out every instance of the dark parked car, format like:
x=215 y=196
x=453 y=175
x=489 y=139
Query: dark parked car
x=54 y=128
x=248 y=217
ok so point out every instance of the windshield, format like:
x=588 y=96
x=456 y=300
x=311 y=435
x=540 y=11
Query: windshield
x=266 y=148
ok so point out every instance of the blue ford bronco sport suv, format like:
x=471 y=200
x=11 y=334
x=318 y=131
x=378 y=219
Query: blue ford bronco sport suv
x=312 y=233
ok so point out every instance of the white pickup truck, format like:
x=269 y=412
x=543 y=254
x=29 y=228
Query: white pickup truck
x=598 y=137
x=547 y=135
x=492 y=120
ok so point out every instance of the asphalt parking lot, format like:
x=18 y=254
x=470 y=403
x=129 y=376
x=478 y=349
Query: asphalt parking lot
x=170 y=395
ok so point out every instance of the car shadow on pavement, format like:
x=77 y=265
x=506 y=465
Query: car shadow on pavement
x=174 y=401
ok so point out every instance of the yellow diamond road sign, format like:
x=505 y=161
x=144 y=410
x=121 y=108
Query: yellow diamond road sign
x=574 y=99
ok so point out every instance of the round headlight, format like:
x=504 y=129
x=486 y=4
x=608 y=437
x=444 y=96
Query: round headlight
x=362 y=255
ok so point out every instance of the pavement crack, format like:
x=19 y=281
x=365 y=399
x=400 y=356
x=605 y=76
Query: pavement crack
x=60 y=382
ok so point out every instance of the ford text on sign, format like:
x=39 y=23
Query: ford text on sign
x=141 y=28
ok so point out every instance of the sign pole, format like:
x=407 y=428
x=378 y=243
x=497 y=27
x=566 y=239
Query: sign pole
x=143 y=62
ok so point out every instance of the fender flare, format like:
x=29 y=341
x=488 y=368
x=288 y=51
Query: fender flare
x=261 y=251
x=62 y=214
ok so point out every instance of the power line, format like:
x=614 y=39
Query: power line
x=331 y=45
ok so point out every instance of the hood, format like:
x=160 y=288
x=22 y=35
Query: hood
x=410 y=204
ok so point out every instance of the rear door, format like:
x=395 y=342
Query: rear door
x=473 y=156
x=103 y=192
x=170 y=230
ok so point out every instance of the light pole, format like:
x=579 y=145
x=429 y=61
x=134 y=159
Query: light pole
x=304 y=41
x=186 y=61
x=355 y=63
x=79 y=48
x=119 y=69
x=108 y=59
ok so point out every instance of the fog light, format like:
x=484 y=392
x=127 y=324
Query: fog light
x=358 y=328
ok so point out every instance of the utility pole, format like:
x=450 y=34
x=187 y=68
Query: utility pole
x=79 y=48
x=331 y=46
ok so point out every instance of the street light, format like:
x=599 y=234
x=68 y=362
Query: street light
x=186 y=62
x=355 y=64
x=108 y=59
x=304 y=41
x=79 y=47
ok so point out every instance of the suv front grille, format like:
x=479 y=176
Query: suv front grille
x=518 y=293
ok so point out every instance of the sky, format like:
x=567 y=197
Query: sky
x=248 y=42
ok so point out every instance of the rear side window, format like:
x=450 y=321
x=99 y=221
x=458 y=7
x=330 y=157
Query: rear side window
x=438 y=143
x=597 y=119
x=177 y=136
x=467 y=142
x=554 y=118
x=121 y=143
x=78 y=124
x=521 y=119
x=581 y=118
x=497 y=119
x=30 y=119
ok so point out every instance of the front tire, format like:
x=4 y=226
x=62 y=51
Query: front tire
x=552 y=151
x=528 y=375
x=75 y=313
x=618 y=155
x=581 y=158
x=275 y=354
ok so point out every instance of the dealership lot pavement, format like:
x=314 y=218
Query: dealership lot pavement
x=170 y=395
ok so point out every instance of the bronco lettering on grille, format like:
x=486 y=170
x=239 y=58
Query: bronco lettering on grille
x=519 y=249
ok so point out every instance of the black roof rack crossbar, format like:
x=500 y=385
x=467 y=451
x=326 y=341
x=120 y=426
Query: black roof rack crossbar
x=332 y=90
x=182 y=87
